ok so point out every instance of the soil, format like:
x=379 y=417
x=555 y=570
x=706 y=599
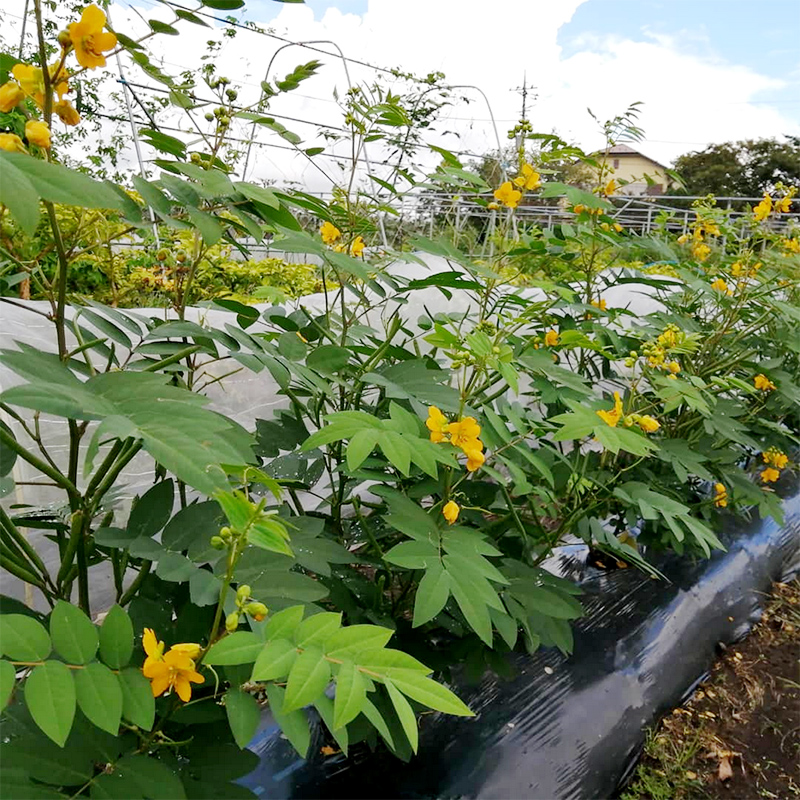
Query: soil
x=738 y=737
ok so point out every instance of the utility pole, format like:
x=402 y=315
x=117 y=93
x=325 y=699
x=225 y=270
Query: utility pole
x=523 y=125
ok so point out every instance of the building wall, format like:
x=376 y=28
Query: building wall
x=633 y=168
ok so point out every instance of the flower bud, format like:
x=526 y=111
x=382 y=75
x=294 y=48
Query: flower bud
x=65 y=40
x=161 y=255
x=225 y=533
x=232 y=622
x=225 y=121
x=243 y=592
x=217 y=543
x=629 y=362
x=633 y=354
x=231 y=94
x=180 y=256
x=257 y=611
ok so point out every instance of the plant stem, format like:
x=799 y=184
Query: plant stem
x=144 y=570
x=7 y=440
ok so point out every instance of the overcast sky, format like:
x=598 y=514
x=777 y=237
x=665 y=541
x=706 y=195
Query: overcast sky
x=706 y=70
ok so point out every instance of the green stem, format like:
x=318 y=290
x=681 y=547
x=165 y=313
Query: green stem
x=7 y=440
x=108 y=481
x=144 y=570
x=165 y=362
x=22 y=542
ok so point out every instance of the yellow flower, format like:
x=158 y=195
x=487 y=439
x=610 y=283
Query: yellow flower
x=11 y=143
x=648 y=424
x=763 y=209
x=617 y=227
x=37 y=133
x=683 y=238
x=764 y=383
x=700 y=250
x=552 y=338
x=465 y=433
x=11 y=95
x=674 y=367
x=330 y=233
x=187 y=649
x=153 y=648
x=578 y=209
x=475 y=459
x=493 y=206
x=528 y=178
x=720 y=495
x=770 y=475
x=776 y=458
x=612 y=417
x=609 y=188
x=66 y=112
x=175 y=671
x=450 y=512
x=89 y=40
x=601 y=304
x=31 y=81
x=783 y=205
x=357 y=248
x=437 y=424
x=721 y=286
x=791 y=245
x=508 y=195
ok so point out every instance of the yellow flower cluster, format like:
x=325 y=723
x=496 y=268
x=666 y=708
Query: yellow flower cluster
x=701 y=228
x=527 y=180
x=769 y=206
x=776 y=460
x=721 y=286
x=763 y=383
x=658 y=353
x=613 y=416
x=791 y=245
x=89 y=42
x=463 y=434
x=741 y=271
x=330 y=233
x=174 y=669
x=580 y=209
x=599 y=303
x=552 y=338
x=720 y=495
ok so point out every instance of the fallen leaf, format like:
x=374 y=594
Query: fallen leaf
x=725 y=772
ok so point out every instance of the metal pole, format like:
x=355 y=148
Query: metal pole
x=134 y=133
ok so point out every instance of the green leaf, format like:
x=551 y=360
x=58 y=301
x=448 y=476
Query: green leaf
x=430 y=693
x=175 y=567
x=197 y=522
x=241 y=647
x=161 y=27
x=283 y=624
x=138 y=776
x=50 y=697
x=223 y=5
x=204 y=587
x=8 y=457
x=22 y=638
x=385 y=659
x=328 y=359
x=472 y=607
x=138 y=703
x=371 y=712
x=7 y=678
x=294 y=724
x=74 y=636
x=348 y=642
x=351 y=694
x=18 y=194
x=407 y=517
x=616 y=439
x=274 y=661
x=413 y=555
x=405 y=714
x=152 y=510
x=317 y=629
x=396 y=450
x=324 y=706
x=269 y=534
x=360 y=446
x=309 y=676
x=432 y=594
x=99 y=696
x=243 y=715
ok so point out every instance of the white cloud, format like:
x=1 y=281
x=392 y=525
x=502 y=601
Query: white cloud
x=691 y=97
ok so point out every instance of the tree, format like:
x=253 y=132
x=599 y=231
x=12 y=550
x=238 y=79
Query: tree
x=746 y=168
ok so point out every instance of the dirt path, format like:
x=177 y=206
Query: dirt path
x=738 y=737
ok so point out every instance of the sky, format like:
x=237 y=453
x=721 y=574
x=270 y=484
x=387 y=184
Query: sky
x=705 y=70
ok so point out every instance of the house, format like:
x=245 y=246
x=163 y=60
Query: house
x=627 y=164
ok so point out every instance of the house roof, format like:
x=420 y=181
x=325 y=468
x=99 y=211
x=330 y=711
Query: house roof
x=624 y=150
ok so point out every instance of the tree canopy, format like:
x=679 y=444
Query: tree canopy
x=746 y=168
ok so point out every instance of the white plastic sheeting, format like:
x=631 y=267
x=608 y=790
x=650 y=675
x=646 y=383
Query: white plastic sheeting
x=244 y=396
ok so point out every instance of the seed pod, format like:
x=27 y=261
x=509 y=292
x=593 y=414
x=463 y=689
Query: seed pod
x=231 y=622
